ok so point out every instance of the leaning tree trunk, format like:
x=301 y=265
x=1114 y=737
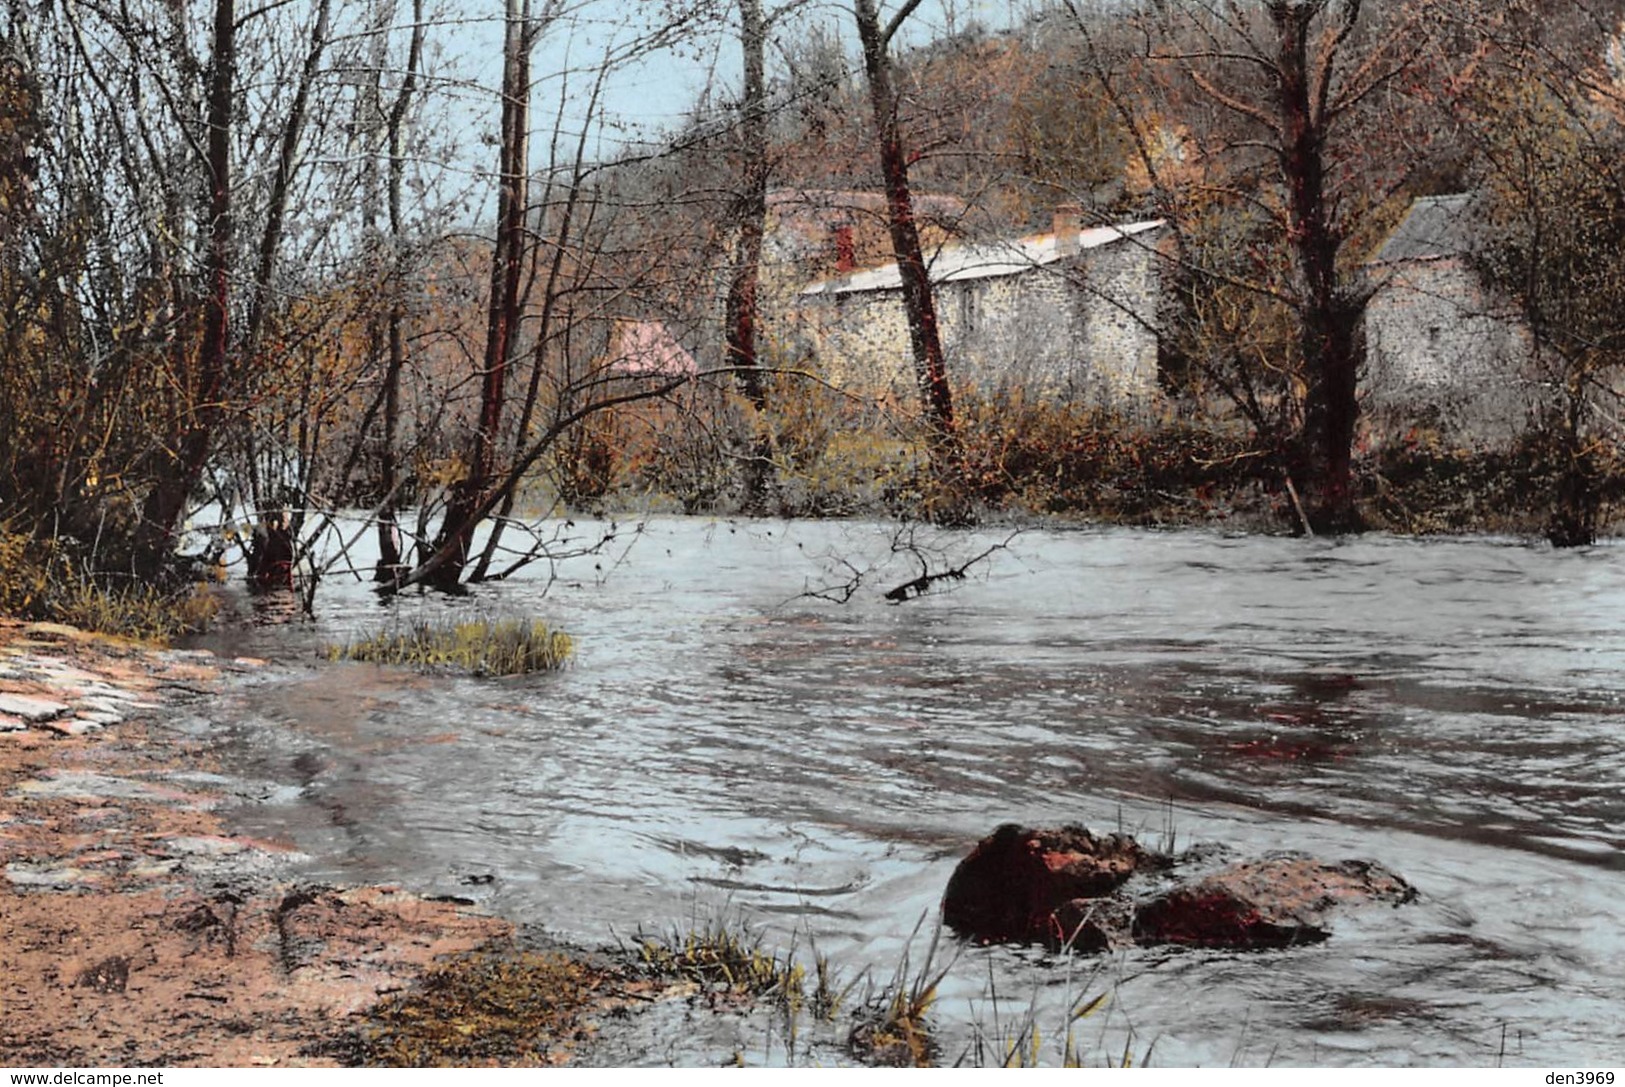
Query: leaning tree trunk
x=930 y=370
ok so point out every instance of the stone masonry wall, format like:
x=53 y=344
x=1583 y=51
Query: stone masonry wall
x=1076 y=328
x=1442 y=354
x=1122 y=288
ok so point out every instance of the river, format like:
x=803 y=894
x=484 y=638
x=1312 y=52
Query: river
x=726 y=743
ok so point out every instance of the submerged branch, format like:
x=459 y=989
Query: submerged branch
x=909 y=590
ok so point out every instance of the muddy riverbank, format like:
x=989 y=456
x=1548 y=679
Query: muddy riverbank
x=136 y=930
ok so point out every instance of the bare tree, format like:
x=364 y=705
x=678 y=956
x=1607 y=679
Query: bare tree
x=167 y=500
x=1280 y=137
x=191 y=196
x=565 y=275
x=751 y=218
x=389 y=553
x=457 y=529
x=930 y=370
x=1551 y=210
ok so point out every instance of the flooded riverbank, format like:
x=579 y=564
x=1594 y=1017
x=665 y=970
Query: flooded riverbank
x=1452 y=709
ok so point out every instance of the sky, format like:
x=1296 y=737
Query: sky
x=643 y=100
x=656 y=92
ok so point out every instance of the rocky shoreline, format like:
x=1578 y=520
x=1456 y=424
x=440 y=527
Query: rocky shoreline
x=134 y=928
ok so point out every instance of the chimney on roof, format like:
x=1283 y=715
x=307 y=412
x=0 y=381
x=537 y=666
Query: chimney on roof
x=1068 y=225
x=846 y=249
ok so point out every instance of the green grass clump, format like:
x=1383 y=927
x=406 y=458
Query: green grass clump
x=509 y=647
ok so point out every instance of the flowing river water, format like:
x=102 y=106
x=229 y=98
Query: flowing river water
x=726 y=744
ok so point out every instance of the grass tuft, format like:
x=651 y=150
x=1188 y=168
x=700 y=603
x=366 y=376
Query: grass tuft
x=893 y=1031
x=51 y=581
x=134 y=611
x=828 y=994
x=1019 y=1041
x=724 y=962
x=723 y=956
x=485 y=648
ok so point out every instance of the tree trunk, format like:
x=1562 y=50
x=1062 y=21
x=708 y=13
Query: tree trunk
x=561 y=245
x=389 y=533
x=751 y=217
x=930 y=371
x=1573 y=522
x=1329 y=321
x=464 y=509
x=166 y=503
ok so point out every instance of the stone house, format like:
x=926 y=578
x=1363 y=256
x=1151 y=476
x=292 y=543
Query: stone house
x=1071 y=313
x=1442 y=351
x=809 y=234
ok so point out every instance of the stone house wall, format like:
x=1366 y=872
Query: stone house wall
x=1443 y=355
x=1080 y=327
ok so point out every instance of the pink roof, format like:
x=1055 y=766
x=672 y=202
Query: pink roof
x=648 y=347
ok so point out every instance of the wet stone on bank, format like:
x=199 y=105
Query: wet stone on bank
x=32 y=710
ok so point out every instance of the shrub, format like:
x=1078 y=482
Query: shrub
x=832 y=454
x=1058 y=456
x=1423 y=485
x=50 y=580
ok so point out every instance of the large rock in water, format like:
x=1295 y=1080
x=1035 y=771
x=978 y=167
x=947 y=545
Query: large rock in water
x=1268 y=903
x=1069 y=887
x=1015 y=880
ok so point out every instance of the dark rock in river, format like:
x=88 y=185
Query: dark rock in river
x=1071 y=888
x=1015 y=880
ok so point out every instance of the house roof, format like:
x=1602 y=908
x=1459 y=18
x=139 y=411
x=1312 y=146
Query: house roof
x=1434 y=228
x=648 y=348
x=984 y=260
x=802 y=221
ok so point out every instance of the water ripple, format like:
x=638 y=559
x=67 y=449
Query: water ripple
x=1455 y=709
